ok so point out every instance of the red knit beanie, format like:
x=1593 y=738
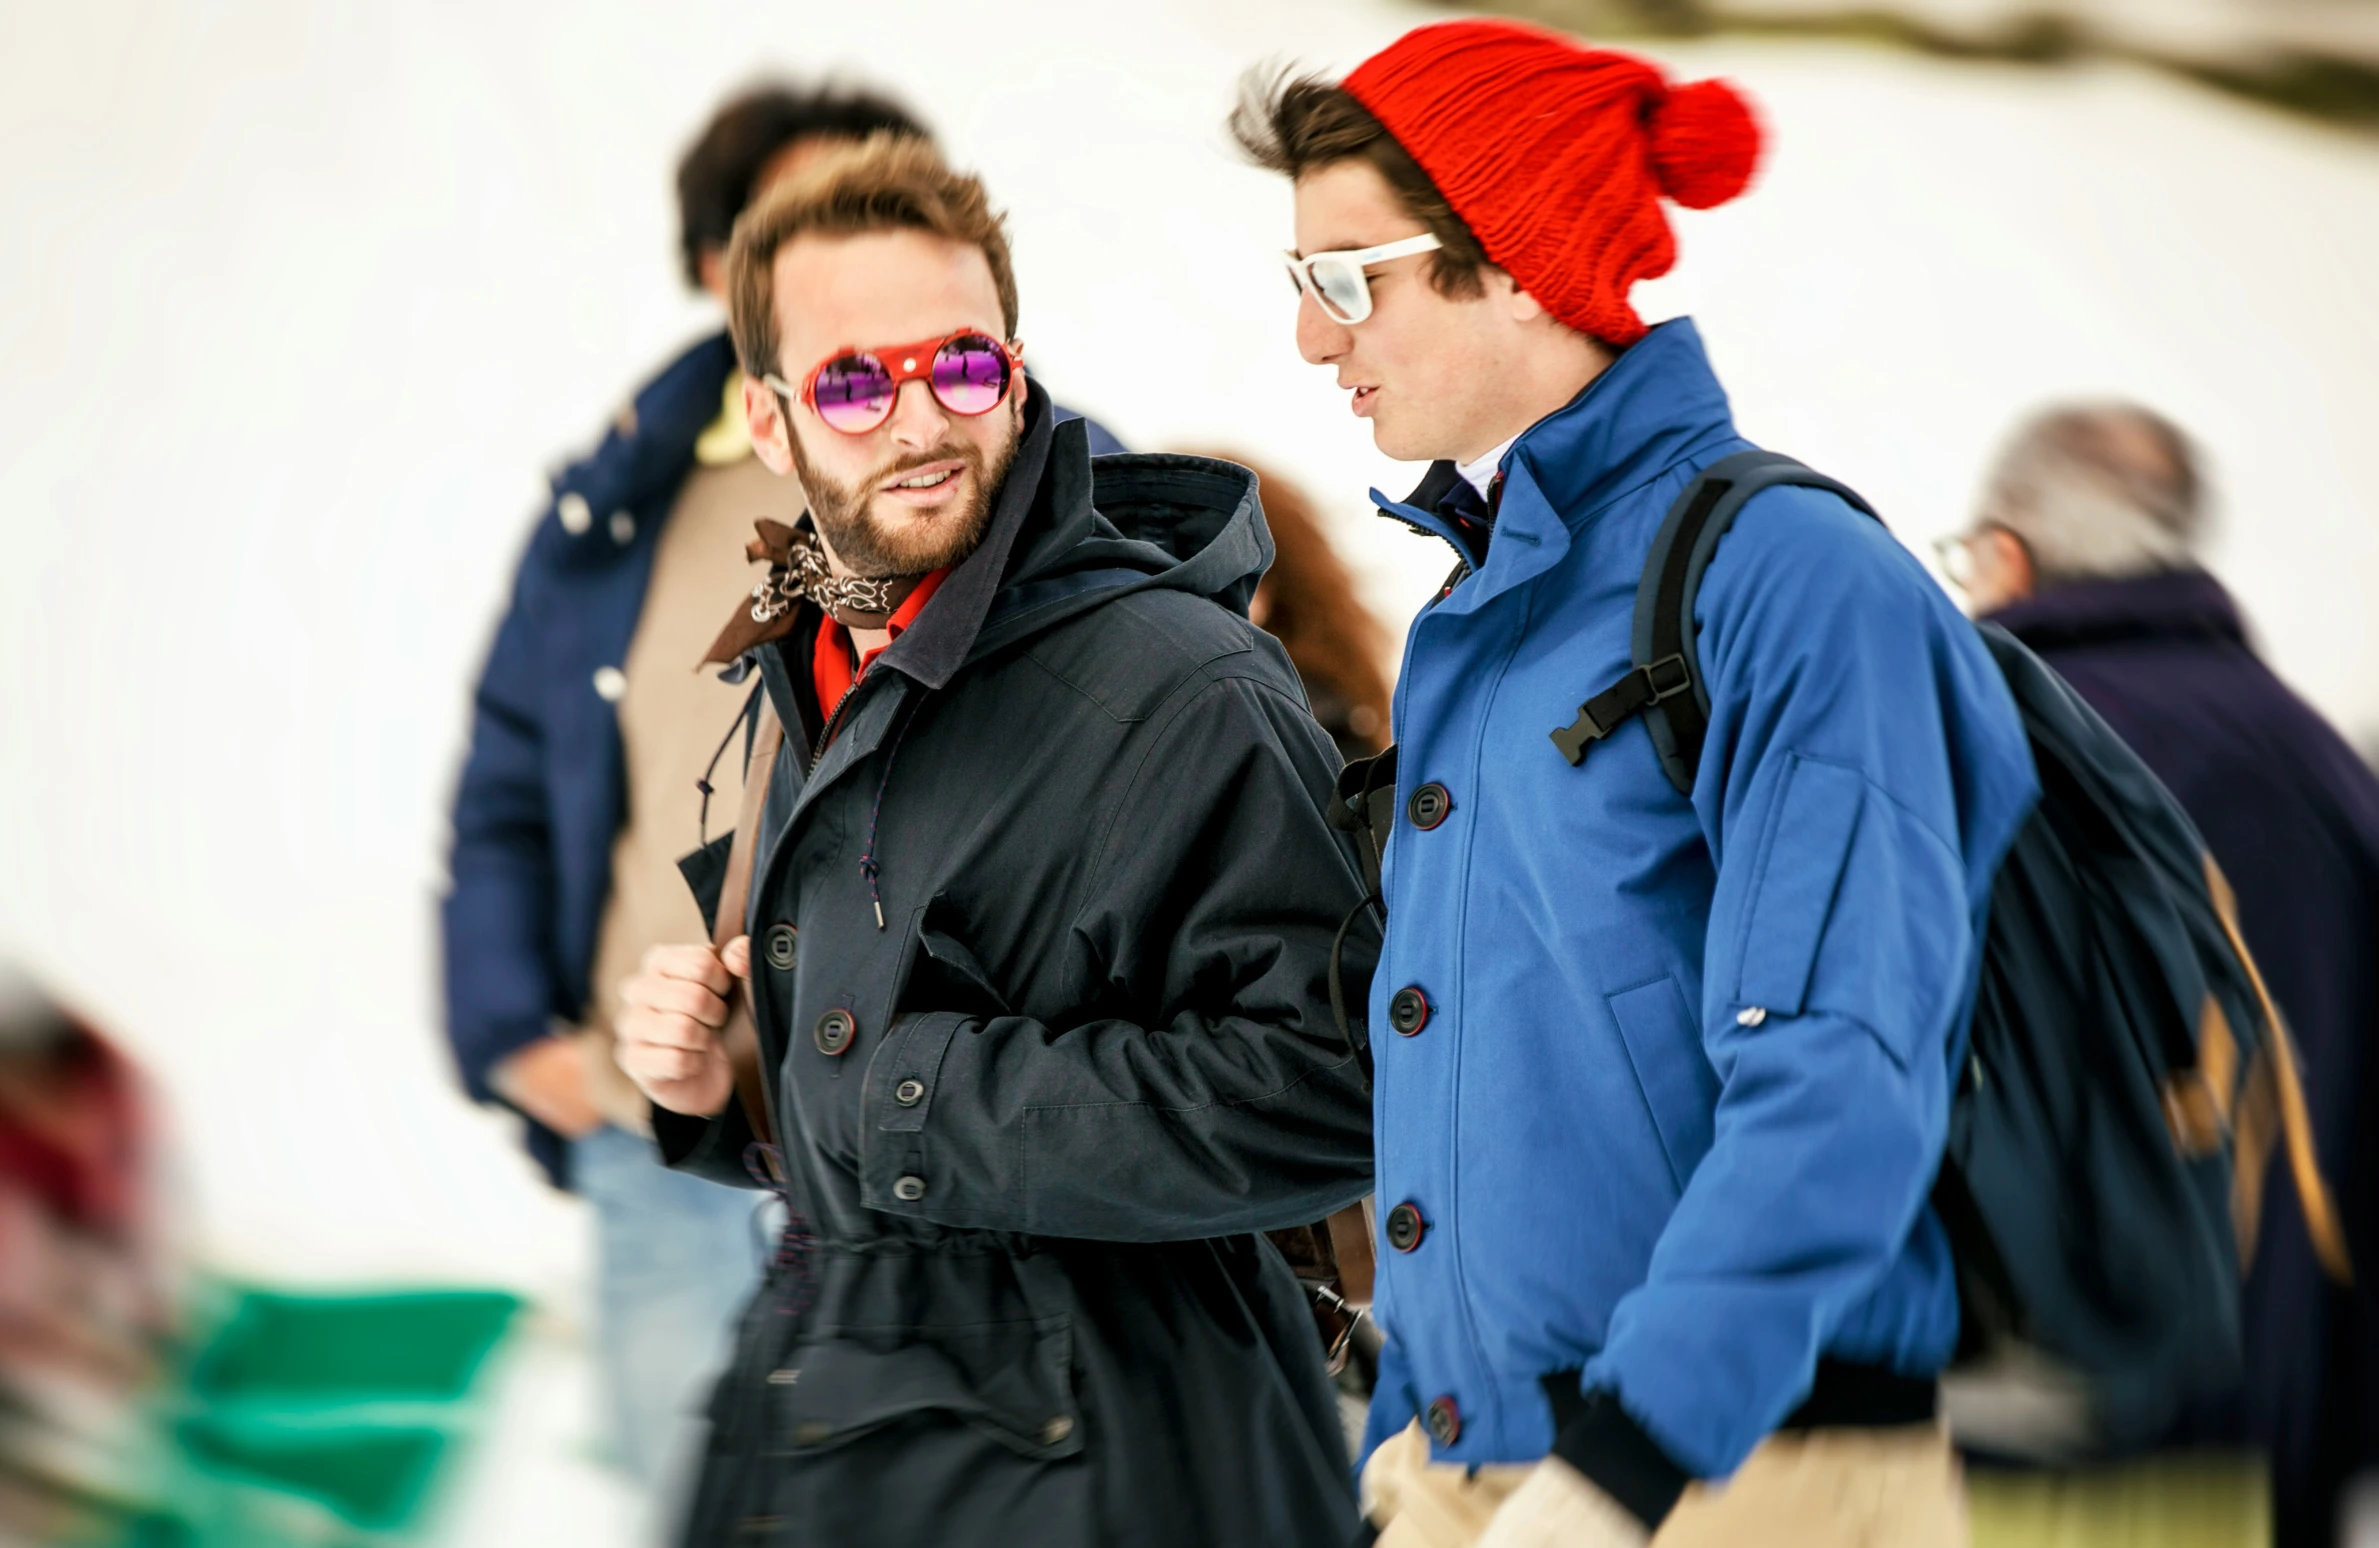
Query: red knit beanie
x=1556 y=155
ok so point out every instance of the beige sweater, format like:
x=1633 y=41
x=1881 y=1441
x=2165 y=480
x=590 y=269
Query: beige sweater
x=672 y=715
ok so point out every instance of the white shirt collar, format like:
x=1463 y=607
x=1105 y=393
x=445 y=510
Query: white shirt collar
x=1481 y=473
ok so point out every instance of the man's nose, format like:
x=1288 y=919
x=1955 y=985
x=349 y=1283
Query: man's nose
x=1321 y=338
x=918 y=418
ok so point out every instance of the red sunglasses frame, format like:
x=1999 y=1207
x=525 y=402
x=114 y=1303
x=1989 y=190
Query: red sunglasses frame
x=904 y=363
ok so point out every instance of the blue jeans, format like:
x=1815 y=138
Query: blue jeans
x=677 y=1259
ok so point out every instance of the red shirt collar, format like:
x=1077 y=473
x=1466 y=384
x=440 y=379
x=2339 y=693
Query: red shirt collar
x=831 y=671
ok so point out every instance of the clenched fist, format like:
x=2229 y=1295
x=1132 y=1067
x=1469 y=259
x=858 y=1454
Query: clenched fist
x=670 y=1018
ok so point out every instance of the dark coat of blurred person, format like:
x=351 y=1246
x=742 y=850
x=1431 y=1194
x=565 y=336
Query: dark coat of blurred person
x=1308 y=601
x=1034 y=943
x=2084 y=550
x=590 y=731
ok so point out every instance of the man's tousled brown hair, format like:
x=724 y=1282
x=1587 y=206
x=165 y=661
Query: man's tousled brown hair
x=1295 y=124
x=886 y=182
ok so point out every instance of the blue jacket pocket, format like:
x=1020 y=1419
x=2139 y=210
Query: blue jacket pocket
x=1792 y=895
x=1680 y=1089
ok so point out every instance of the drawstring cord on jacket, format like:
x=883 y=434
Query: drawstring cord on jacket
x=791 y=1260
x=747 y=720
x=867 y=857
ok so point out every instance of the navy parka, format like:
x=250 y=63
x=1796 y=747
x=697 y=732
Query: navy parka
x=1041 y=927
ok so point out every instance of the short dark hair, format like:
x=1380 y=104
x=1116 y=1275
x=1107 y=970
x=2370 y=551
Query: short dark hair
x=716 y=174
x=1295 y=124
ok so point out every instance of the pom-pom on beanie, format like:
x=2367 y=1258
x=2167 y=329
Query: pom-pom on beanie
x=1557 y=155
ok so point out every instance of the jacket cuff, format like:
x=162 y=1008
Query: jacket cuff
x=709 y=1148
x=1619 y=1458
x=476 y=1060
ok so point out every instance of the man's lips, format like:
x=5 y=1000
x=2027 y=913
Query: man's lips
x=1363 y=399
x=928 y=485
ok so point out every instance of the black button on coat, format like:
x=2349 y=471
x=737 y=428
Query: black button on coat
x=1093 y=1053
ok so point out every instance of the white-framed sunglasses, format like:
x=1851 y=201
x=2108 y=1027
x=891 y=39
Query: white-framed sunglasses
x=1336 y=279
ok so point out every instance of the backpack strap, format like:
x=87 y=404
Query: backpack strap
x=742 y=1032
x=1666 y=686
x=2313 y=1197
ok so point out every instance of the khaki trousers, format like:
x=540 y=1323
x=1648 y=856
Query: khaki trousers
x=1895 y=1488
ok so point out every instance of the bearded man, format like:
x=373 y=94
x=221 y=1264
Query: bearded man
x=1040 y=907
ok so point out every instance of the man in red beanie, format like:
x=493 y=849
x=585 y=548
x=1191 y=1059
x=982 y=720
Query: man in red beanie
x=1670 y=1073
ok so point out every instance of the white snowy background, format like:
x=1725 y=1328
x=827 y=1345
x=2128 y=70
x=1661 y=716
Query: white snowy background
x=298 y=303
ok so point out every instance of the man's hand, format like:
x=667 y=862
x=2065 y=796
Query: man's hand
x=670 y=1016
x=1557 y=1507
x=546 y=1079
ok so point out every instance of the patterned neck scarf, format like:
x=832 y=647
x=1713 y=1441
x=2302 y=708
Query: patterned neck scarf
x=797 y=569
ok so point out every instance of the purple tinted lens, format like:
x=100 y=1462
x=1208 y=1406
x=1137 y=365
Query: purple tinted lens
x=852 y=393
x=970 y=375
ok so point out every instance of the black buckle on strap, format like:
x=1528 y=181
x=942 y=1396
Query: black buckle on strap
x=1667 y=678
x=1645 y=686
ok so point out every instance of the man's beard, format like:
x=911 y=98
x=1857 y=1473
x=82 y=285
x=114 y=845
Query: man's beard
x=871 y=547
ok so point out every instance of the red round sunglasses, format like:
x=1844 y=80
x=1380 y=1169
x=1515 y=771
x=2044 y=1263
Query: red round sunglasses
x=853 y=390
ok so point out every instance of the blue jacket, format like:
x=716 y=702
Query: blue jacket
x=1677 y=1104
x=544 y=789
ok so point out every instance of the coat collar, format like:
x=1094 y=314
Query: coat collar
x=1656 y=406
x=2170 y=605
x=1651 y=410
x=932 y=651
x=649 y=445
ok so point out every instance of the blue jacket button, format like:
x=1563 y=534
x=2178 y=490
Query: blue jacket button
x=1443 y=1421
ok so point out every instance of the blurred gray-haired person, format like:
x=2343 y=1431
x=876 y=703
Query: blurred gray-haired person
x=2085 y=547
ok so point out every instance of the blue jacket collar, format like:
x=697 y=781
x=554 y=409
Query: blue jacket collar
x=1651 y=410
x=1657 y=404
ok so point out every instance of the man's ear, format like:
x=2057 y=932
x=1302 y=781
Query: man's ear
x=764 y=420
x=1505 y=291
x=2012 y=563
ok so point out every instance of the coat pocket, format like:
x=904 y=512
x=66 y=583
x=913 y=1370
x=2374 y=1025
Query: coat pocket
x=1792 y=893
x=1010 y=1382
x=941 y=973
x=1680 y=1089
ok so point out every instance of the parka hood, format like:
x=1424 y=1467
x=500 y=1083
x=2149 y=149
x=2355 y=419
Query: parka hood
x=1070 y=533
